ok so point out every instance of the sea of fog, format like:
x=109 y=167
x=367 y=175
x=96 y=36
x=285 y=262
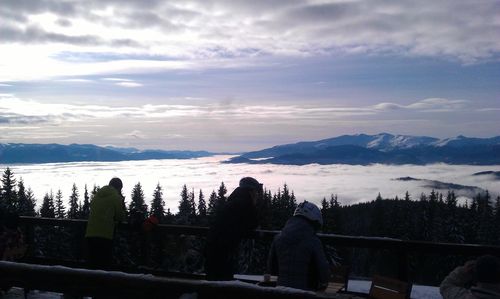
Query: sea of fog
x=352 y=183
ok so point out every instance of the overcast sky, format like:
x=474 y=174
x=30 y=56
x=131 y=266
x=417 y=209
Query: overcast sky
x=243 y=75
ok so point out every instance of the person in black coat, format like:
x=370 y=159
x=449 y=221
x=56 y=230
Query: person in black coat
x=297 y=255
x=236 y=220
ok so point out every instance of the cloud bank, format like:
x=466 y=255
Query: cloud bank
x=170 y=34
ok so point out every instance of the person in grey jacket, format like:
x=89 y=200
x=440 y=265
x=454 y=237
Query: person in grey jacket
x=297 y=255
x=485 y=272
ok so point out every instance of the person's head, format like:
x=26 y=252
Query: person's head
x=116 y=183
x=487 y=269
x=254 y=185
x=311 y=212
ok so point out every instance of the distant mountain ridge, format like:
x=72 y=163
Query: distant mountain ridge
x=53 y=153
x=362 y=149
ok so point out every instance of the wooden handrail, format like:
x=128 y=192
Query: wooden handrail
x=337 y=240
x=401 y=248
x=122 y=285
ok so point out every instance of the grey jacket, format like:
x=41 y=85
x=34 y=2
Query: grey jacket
x=454 y=287
x=298 y=258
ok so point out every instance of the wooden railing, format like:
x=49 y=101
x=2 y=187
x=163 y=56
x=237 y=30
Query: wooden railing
x=79 y=282
x=402 y=248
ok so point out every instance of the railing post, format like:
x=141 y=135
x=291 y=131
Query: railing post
x=30 y=239
x=403 y=265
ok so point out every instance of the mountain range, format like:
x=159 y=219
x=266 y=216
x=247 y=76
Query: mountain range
x=51 y=153
x=359 y=149
x=384 y=148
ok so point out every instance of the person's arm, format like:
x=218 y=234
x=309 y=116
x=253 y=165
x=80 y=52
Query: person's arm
x=454 y=285
x=321 y=264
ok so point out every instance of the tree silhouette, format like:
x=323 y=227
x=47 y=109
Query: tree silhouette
x=8 y=191
x=47 y=208
x=137 y=210
x=60 y=210
x=157 y=204
x=73 y=203
x=26 y=200
x=85 y=206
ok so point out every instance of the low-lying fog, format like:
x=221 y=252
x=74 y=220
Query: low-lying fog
x=351 y=183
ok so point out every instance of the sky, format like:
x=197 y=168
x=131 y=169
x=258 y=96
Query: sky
x=233 y=76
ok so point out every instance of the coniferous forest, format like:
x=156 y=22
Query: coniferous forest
x=435 y=217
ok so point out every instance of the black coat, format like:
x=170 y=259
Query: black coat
x=236 y=220
x=298 y=258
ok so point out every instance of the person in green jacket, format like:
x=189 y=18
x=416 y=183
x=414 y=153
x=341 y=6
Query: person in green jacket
x=106 y=209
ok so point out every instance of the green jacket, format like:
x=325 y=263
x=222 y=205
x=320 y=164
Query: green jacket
x=106 y=209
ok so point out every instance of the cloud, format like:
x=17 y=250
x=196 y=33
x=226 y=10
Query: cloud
x=136 y=134
x=36 y=35
x=21 y=111
x=123 y=82
x=76 y=80
x=129 y=84
x=225 y=31
x=116 y=79
x=426 y=105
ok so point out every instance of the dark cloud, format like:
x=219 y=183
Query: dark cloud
x=17 y=119
x=34 y=34
x=63 y=22
x=21 y=7
x=330 y=13
x=461 y=29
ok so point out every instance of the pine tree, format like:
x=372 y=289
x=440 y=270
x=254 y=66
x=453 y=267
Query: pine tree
x=334 y=214
x=407 y=196
x=138 y=210
x=73 y=203
x=47 y=208
x=485 y=213
x=9 y=194
x=202 y=206
x=157 y=204
x=192 y=203
x=453 y=232
x=221 y=194
x=25 y=199
x=184 y=216
x=30 y=204
x=85 y=206
x=60 y=211
x=377 y=226
x=265 y=211
x=212 y=204
x=325 y=212
x=169 y=217
x=288 y=201
x=497 y=220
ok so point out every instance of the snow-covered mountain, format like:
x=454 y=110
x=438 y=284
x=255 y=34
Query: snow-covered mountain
x=381 y=148
x=51 y=153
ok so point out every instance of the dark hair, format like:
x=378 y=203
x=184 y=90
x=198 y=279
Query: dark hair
x=249 y=182
x=116 y=183
x=487 y=269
